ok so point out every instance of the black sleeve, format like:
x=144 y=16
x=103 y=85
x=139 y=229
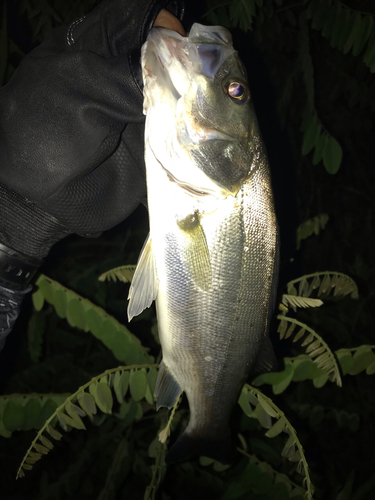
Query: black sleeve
x=10 y=304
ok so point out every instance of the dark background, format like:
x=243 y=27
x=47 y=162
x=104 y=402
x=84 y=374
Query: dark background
x=344 y=90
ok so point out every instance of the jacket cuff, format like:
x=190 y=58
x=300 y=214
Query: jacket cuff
x=25 y=228
x=10 y=304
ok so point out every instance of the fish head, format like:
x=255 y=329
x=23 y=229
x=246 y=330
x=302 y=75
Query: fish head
x=201 y=125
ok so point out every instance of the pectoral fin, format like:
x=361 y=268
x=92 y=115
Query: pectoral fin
x=196 y=253
x=266 y=361
x=167 y=390
x=144 y=285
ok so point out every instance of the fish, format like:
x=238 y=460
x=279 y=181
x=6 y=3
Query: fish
x=210 y=261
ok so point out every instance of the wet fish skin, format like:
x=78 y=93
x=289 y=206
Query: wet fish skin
x=211 y=258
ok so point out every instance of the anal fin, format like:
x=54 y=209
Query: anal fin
x=144 y=285
x=167 y=390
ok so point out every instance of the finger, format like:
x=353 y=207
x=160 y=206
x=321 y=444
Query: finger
x=166 y=19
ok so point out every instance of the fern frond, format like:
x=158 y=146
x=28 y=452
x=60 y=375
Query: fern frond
x=316 y=136
x=156 y=468
x=317 y=413
x=81 y=313
x=256 y=405
x=278 y=477
x=121 y=273
x=310 y=227
x=316 y=348
x=69 y=413
x=295 y=301
x=23 y=412
x=347 y=29
x=299 y=368
x=164 y=434
x=324 y=282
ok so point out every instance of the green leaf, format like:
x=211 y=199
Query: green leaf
x=332 y=156
x=38 y=300
x=32 y=412
x=345 y=28
x=345 y=359
x=138 y=384
x=276 y=429
x=46 y=442
x=47 y=410
x=121 y=384
x=94 y=321
x=289 y=448
x=319 y=148
x=287 y=378
x=120 y=345
x=354 y=34
x=75 y=412
x=152 y=375
x=65 y=420
x=266 y=406
x=364 y=33
x=303 y=370
x=149 y=396
x=13 y=415
x=320 y=381
x=87 y=403
x=46 y=289
x=244 y=403
x=104 y=396
x=108 y=331
x=370 y=50
x=76 y=314
x=362 y=358
x=311 y=136
x=206 y=461
x=41 y=449
x=54 y=433
x=60 y=303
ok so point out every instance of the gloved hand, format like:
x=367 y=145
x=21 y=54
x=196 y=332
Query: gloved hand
x=71 y=138
x=71 y=122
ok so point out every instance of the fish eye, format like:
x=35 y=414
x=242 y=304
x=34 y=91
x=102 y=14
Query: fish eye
x=237 y=92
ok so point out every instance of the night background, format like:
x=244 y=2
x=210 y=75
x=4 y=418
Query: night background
x=311 y=68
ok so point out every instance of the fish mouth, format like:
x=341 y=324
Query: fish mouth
x=176 y=60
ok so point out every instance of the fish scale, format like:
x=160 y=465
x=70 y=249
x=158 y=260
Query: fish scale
x=211 y=256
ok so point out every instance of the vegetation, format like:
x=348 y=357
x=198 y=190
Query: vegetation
x=81 y=384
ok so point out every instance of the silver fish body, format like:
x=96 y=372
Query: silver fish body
x=211 y=257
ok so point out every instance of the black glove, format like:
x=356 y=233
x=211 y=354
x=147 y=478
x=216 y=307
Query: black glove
x=71 y=137
x=71 y=129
